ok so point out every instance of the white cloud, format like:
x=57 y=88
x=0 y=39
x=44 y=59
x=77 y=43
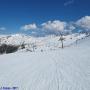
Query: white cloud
x=29 y=27
x=2 y=28
x=84 y=22
x=58 y=26
x=70 y=26
x=50 y=27
x=69 y=2
x=54 y=25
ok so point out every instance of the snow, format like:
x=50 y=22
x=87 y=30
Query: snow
x=18 y=39
x=61 y=69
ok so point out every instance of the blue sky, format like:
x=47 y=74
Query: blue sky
x=16 y=13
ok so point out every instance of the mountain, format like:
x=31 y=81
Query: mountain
x=40 y=43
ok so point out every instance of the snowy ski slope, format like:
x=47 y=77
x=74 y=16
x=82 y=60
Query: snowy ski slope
x=62 y=69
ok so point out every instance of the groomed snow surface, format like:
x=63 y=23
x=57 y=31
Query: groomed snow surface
x=62 y=69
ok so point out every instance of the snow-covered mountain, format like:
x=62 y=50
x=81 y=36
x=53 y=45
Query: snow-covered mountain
x=41 y=43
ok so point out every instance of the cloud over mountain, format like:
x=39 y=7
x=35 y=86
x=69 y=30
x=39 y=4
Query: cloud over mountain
x=84 y=22
x=58 y=26
x=54 y=25
x=29 y=27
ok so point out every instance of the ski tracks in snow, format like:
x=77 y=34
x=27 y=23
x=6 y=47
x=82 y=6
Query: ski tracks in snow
x=56 y=70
